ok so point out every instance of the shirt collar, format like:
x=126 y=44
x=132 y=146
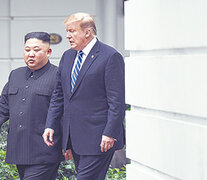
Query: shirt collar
x=37 y=73
x=90 y=45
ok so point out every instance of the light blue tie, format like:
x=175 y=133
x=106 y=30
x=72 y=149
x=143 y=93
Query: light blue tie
x=76 y=70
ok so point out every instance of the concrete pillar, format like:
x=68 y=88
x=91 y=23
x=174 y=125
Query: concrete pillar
x=5 y=47
x=165 y=84
x=110 y=14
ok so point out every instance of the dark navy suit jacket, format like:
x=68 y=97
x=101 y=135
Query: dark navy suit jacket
x=96 y=106
x=25 y=101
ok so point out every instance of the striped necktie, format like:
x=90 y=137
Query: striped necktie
x=76 y=70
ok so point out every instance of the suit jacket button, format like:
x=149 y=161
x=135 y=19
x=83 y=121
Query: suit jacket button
x=20 y=126
x=20 y=113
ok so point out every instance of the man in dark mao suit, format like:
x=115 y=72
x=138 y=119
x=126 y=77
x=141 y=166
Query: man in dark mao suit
x=92 y=102
x=24 y=101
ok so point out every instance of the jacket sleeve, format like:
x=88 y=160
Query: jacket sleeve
x=115 y=92
x=56 y=107
x=4 y=106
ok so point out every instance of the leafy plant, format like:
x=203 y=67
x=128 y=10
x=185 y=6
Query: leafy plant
x=7 y=171
x=112 y=174
x=3 y=135
x=66 y=169
x=116 y=174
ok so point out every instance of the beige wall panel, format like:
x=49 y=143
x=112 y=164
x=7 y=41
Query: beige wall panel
x=158 y=24
x=16 y=63
x=169 y=83
x=4 y=39
x=55 y=61
x=4 y=72
x=170 y=145
x=22 y=27
x=4 y=8
x=136 y=171
x=51 y=7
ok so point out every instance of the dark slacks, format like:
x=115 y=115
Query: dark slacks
x=38 y=171
x=92 y=167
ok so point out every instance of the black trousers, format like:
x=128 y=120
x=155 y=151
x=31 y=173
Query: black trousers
x=38 y=171
x=92 y=167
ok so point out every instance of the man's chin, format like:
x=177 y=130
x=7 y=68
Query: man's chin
x=73 y=46
x=31 y=66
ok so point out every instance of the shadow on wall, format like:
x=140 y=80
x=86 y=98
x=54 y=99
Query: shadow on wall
x=119 y=159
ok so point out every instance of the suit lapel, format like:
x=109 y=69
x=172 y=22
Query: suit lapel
x=86 y=65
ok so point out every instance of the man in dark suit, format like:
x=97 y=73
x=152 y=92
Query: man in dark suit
x=90 y=94
x=24 y=101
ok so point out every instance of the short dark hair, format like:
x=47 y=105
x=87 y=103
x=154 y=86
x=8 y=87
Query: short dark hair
x=45 y=37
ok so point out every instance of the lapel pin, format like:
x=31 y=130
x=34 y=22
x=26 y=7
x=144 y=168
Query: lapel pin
x=92 y=56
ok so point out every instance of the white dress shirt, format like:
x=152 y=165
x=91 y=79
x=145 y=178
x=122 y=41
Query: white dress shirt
x=86 y=51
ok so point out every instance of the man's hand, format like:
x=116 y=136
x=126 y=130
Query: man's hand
x=48 y=136
x=68 y=154
x=106 y=143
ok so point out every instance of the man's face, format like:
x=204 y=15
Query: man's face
x=76 y=36
x=36 y=53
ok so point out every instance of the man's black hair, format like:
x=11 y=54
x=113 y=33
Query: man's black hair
x=45 y=37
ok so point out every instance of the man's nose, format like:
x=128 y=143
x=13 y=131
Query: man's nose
x=68 y=35
x=31 y=53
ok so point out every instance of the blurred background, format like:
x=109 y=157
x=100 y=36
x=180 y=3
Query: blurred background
x=18 y=17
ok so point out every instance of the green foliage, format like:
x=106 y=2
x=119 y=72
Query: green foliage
x=128 y=107
x=7 y=171
x=112 y=174
x=3 y=135
x=66 y=169
x=116 y=174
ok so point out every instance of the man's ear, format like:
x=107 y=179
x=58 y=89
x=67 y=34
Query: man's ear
x=88 y=32
x=49 y=52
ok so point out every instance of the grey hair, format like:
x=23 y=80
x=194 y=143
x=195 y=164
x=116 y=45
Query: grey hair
x=86 y=21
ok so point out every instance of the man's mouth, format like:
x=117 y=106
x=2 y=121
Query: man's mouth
x=31 y=60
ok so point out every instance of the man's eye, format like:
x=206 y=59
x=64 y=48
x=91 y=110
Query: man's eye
x=27 y=50
x=36 y=50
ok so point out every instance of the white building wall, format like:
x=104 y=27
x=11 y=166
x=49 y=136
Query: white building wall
x=4 y=42
x=165 y=84
x=18 y=17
